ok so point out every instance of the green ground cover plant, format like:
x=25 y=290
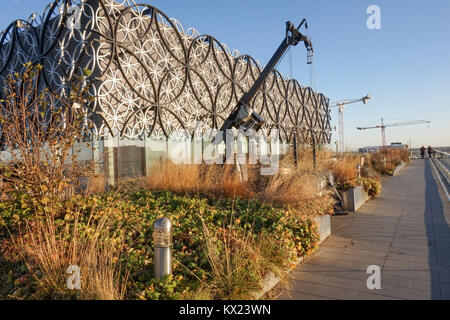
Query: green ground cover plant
x=223 y=247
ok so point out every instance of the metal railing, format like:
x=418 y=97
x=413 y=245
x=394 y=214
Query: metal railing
x=442 y=160
x=415 y=154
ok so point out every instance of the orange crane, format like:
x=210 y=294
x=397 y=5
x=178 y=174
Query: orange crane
x=383 y=127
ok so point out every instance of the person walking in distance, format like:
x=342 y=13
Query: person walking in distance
x=422 y=151
x=430 y=150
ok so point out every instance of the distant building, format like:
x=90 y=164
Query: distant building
x=394 y=145
x=369 y=149
x=398 y=145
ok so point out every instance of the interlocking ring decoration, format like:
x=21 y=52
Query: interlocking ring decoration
x=151 y=76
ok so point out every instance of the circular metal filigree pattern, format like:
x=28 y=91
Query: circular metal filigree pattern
x=150 y=75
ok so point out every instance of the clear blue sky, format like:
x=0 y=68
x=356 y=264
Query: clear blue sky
x=405 y=65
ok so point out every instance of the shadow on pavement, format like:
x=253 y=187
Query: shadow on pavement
x=438 y=231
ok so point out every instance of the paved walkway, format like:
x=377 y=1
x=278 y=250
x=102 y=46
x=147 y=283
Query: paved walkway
x=405 y=231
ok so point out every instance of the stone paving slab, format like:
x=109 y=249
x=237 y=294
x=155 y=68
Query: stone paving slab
x=405 y=231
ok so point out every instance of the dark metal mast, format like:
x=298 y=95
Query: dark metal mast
x=243 y=117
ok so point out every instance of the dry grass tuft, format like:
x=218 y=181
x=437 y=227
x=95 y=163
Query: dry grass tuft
x=49 y=248
x=239 y=262
x=97 y=184
x=288 y=186
x=306 y=162
x=344 y=169
x=210 y=180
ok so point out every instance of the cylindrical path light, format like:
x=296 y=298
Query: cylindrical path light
x=162 y=237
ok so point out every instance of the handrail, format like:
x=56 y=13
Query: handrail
x=442 y=152
x=442 y=161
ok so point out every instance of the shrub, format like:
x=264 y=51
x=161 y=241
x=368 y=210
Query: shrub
x=385 y=160
x=371 y=186
x=113 y=232
x=40 y=130
x=346 y=185
x=74 y=233
x=50 y=225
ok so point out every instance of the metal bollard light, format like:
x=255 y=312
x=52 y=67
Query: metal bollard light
x=162 y=237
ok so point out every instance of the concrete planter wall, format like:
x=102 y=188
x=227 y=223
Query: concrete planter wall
x=324 y=223
x=398 y=168
x=271 y=280
x=354 y=198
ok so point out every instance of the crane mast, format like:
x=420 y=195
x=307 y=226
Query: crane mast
x=341 y=105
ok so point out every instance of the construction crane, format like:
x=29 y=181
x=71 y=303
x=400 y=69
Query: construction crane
x=383 y=127
x=243 y=116
x=341 y=105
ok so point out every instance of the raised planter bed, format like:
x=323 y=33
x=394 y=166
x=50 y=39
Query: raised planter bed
x=354 y=198
x=272 y=280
